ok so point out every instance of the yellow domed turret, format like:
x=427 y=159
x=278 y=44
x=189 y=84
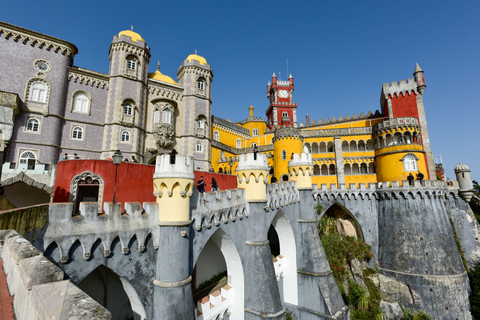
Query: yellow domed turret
x=194 y=56
x=157 y=75
x=130 y=33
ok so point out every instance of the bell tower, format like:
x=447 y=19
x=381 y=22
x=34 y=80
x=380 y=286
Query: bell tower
x=282 y=111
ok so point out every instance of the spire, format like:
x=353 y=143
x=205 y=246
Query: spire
x=158 y=65
x=131 y=27
x=268 y=83
x=274 y=74
x=195 y=51
x=417 y=68
x=290 y=76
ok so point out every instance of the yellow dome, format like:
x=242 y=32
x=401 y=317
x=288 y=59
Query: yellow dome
x=157 y=75
x=133 y=35
x=195 y=56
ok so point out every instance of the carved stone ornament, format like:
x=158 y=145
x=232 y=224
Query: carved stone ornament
x=87 y=177
x=164 y=135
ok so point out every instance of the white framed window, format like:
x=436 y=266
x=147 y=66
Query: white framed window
x=216 y=136
x=239 y=143
x=127 y=109
x=28 y=157
x=131 y=64
x=410 y=162
x=201 y=123
x=201 y=85
x=81 y=102
x=199 y=147
x=166 y=116
x=125 y=136
x=33 y=125
x=255 y=132
x=77 y=133
x=38 y=92
x=156 y=116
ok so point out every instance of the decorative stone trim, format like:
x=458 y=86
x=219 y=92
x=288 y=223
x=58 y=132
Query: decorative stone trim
x=43 y=41
x=88 y=78
x=337 y=132
x=88 y=177
x=172 y=284
x=123 y=46
x=22 y=177
x=164 y=93
x=230 y=126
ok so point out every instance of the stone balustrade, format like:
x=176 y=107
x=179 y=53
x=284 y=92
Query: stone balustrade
x=215 y=304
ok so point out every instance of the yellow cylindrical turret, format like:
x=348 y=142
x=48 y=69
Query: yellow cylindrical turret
x=173 y=186
x=287 y=141
x=252 y=175
x=300 y=170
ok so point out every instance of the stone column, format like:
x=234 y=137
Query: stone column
x=339 y=161
x=173 y=186
x=262 y=299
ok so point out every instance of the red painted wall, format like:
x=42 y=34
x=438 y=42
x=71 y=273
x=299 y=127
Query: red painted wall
x=404 y=106
x=134 y=181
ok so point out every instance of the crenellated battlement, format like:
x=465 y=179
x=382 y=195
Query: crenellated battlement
x=303 y=159
x=386 y=190
x=395 y=88
x=182 y=167
x=89 y=226
x=281 y=195
x=341 y=119
x=221 y=206
x=247 y=161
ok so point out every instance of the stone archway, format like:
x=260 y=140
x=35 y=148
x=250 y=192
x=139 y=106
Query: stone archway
x=115 y=293
x=234 y=270
x=283 y=241
x=345 y=221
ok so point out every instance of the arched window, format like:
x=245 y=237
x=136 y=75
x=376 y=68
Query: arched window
x=166 y=116
x=253 y=145
x=284 y=155
x=33 y=125
x=127 y=109
x=255 y=132
x=239 y=143
x=156 y=116
x=199 y=147
x=363 y=168
x=216 y=136
x=201 y=84
x=361 y=145
x=38 y=92
x=125 y=136
x=201 y=123
x=316 y=170
x=28 y=157
x=77 y=133
x=81 y=102
x=131 y=64
x=410 y=162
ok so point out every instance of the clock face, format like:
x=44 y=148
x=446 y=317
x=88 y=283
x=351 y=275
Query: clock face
x=283 y=94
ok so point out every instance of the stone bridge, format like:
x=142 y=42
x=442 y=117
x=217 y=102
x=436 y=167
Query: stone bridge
x=148 y=261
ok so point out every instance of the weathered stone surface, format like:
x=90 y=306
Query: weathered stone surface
x=397 y=291
x=38 y=270
x=64 y=300
x=391 y=310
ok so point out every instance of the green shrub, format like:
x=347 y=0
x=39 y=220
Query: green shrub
x=474 y=276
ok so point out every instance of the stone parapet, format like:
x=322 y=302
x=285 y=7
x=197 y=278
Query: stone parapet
x=91 y=225
x=281 y=194
x=38 y=285
x=248 y=162
x=221 y=206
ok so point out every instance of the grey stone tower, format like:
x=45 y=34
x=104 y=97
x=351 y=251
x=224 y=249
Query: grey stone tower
x=465 y=183
x=127 y=95
x=194 y=120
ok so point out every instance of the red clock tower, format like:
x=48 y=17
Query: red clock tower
x=281 y=112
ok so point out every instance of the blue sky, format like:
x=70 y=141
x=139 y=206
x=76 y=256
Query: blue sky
x=339 y=53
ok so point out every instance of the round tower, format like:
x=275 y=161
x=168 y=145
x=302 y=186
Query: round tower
x=398 y=149
x=252 y=175
x=285 y=142
x=127 y=98
x=465 y=183
x=193 y=127
x=300 y=169
x=173 y=183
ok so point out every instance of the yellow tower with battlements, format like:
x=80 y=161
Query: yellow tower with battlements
x=252 y=175
x=300 y=169
x=287 y=141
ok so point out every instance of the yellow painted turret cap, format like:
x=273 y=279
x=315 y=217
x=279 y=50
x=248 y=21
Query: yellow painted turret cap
x=130 y=33
x=195 y=56
x=157 y=75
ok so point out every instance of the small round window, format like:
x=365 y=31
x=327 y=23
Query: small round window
x=42 y=65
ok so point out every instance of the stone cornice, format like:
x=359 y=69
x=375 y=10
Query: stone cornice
x=10 y=31
x=337 y=132
x=88 y=77
x=165 y=91
x=396 y=123
x=230 y=125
